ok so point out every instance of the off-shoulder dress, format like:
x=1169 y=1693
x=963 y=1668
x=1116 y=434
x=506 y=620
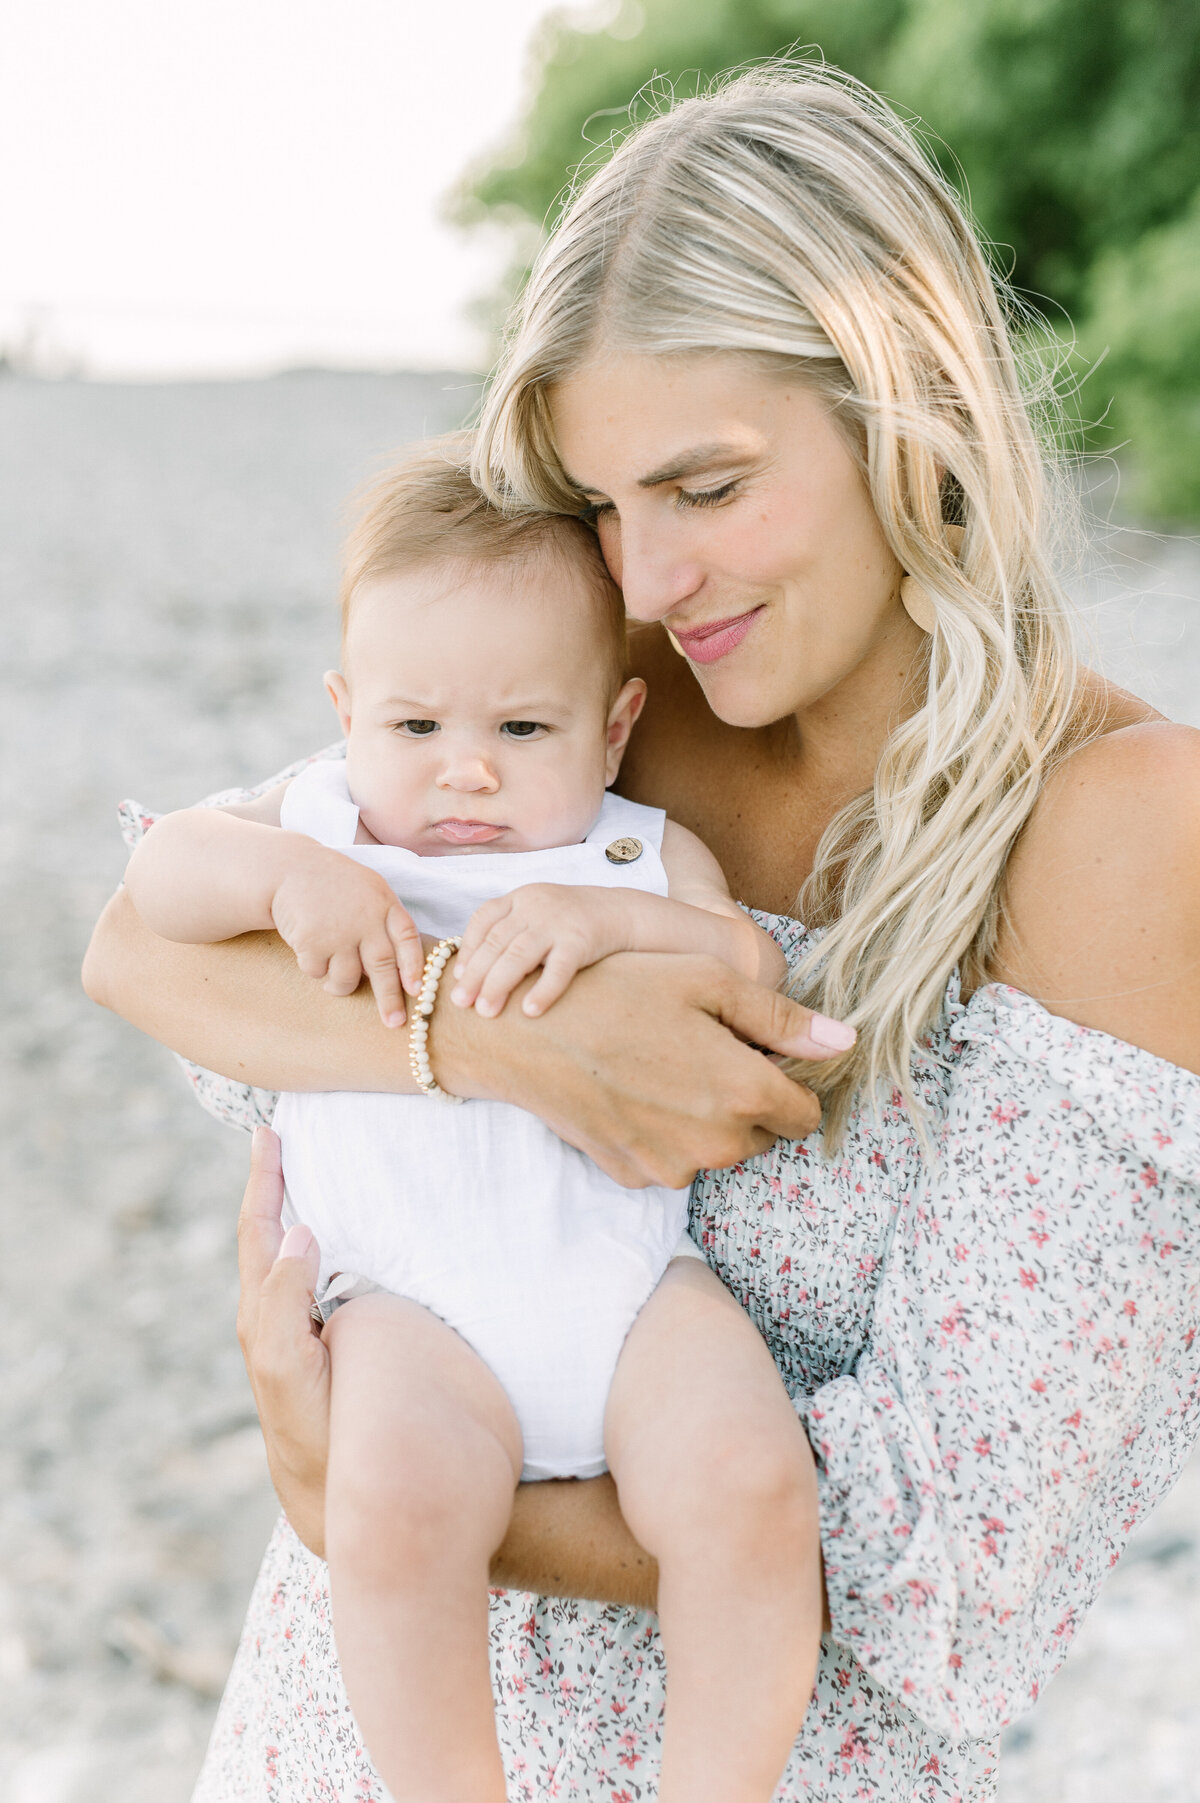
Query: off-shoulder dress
x=996 y=1353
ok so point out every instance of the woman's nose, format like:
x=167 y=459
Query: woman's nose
x=654 y=577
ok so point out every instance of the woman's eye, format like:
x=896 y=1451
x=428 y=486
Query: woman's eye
x=521 y=729
x=598 y=510
x=705 y=497
x=418 y=729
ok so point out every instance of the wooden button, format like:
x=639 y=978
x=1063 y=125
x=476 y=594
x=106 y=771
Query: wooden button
x=624 y=851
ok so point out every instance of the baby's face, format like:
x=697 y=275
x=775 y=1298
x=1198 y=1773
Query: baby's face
x=475 y=703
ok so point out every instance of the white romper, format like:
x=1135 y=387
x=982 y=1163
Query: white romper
x=481 y=1213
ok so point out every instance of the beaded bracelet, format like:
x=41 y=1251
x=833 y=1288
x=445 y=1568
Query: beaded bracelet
x=418 y=1032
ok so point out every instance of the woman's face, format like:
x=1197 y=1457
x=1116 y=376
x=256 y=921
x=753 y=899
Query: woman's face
x=731 y=510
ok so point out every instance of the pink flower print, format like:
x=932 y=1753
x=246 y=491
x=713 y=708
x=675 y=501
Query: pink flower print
x=854 y=1749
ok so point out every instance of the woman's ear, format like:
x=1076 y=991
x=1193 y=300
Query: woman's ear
x=338 y=692
x=622 y=716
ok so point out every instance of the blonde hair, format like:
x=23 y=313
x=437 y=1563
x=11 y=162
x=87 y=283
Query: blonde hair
x=427 y=509
x=789 y=213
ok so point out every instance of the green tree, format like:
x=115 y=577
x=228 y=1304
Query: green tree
x=1072 y=125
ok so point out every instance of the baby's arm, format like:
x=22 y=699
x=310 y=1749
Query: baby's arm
x=207 y=874
x=564 y=928
x=695 y=879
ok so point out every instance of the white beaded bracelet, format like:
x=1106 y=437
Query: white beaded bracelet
x=418 y=1032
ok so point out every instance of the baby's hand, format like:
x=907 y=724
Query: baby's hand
x=343 y=922
x=558 y=926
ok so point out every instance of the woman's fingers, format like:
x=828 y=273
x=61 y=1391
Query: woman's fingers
x=285 y=1356
x=260 y=1229
x=767 y=1018
x=286 y=1351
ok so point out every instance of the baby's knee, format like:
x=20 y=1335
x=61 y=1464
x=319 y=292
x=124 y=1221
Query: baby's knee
x=403 y=1506
x=380 y=1509
x=747 y=1485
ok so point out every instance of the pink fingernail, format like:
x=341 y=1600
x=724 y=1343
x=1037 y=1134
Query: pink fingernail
x=296 y=1241
x=831 y=1035
x=394 y=1020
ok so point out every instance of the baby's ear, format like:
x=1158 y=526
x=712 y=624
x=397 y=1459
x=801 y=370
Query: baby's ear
x=338 y=691
x=622 y=716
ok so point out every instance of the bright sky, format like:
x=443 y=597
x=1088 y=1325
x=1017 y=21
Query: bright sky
x=219 y=186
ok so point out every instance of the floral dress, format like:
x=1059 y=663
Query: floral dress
x=996 y=1354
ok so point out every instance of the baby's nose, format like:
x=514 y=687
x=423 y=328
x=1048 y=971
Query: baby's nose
x=470 y=774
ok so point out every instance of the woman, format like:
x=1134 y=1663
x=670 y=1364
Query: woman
x=763 y=350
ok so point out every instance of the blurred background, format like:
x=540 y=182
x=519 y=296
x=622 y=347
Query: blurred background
x=248 y=251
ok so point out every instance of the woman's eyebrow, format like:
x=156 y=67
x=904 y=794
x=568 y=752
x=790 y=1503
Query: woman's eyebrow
x=687 y=463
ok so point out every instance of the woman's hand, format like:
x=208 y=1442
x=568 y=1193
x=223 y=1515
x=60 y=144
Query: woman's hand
x=285 y=1356
x=646 y=1064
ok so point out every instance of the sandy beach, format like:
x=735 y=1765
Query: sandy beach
x=167 y=564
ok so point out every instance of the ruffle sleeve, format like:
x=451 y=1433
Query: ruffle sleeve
x=1031 y=1382
x=237 y=1104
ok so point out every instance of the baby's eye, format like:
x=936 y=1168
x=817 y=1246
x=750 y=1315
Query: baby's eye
x=417 y=729
x=521 y=729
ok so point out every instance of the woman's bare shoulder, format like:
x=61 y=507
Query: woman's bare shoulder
x=1102 y=893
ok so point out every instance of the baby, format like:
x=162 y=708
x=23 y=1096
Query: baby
x=497 y=1309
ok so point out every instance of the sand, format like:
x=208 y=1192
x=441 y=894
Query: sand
x=167 y=562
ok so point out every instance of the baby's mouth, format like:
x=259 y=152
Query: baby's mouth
x=467 y=832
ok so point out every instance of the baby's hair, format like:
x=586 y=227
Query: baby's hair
x=426 y=510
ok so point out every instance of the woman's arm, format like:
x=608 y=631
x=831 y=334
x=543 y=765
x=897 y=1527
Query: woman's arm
x=1031 y=1383
x=241 y=1008
x=644 y=1064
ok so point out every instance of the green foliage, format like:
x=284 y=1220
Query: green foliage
x=1073 y=125
x=1145 y=308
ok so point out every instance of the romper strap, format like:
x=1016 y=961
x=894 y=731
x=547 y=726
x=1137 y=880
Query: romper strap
x=317 y=802
x=621 y=819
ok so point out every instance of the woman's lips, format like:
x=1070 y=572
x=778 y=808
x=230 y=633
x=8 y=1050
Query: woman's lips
x=467 y=832
x=705 y=644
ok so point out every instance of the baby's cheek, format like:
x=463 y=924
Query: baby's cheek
x=385 y=789
x=561 y=808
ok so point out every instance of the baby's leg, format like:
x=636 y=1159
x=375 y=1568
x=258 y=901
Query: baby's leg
x=424 y=1457
x=716 y=1480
